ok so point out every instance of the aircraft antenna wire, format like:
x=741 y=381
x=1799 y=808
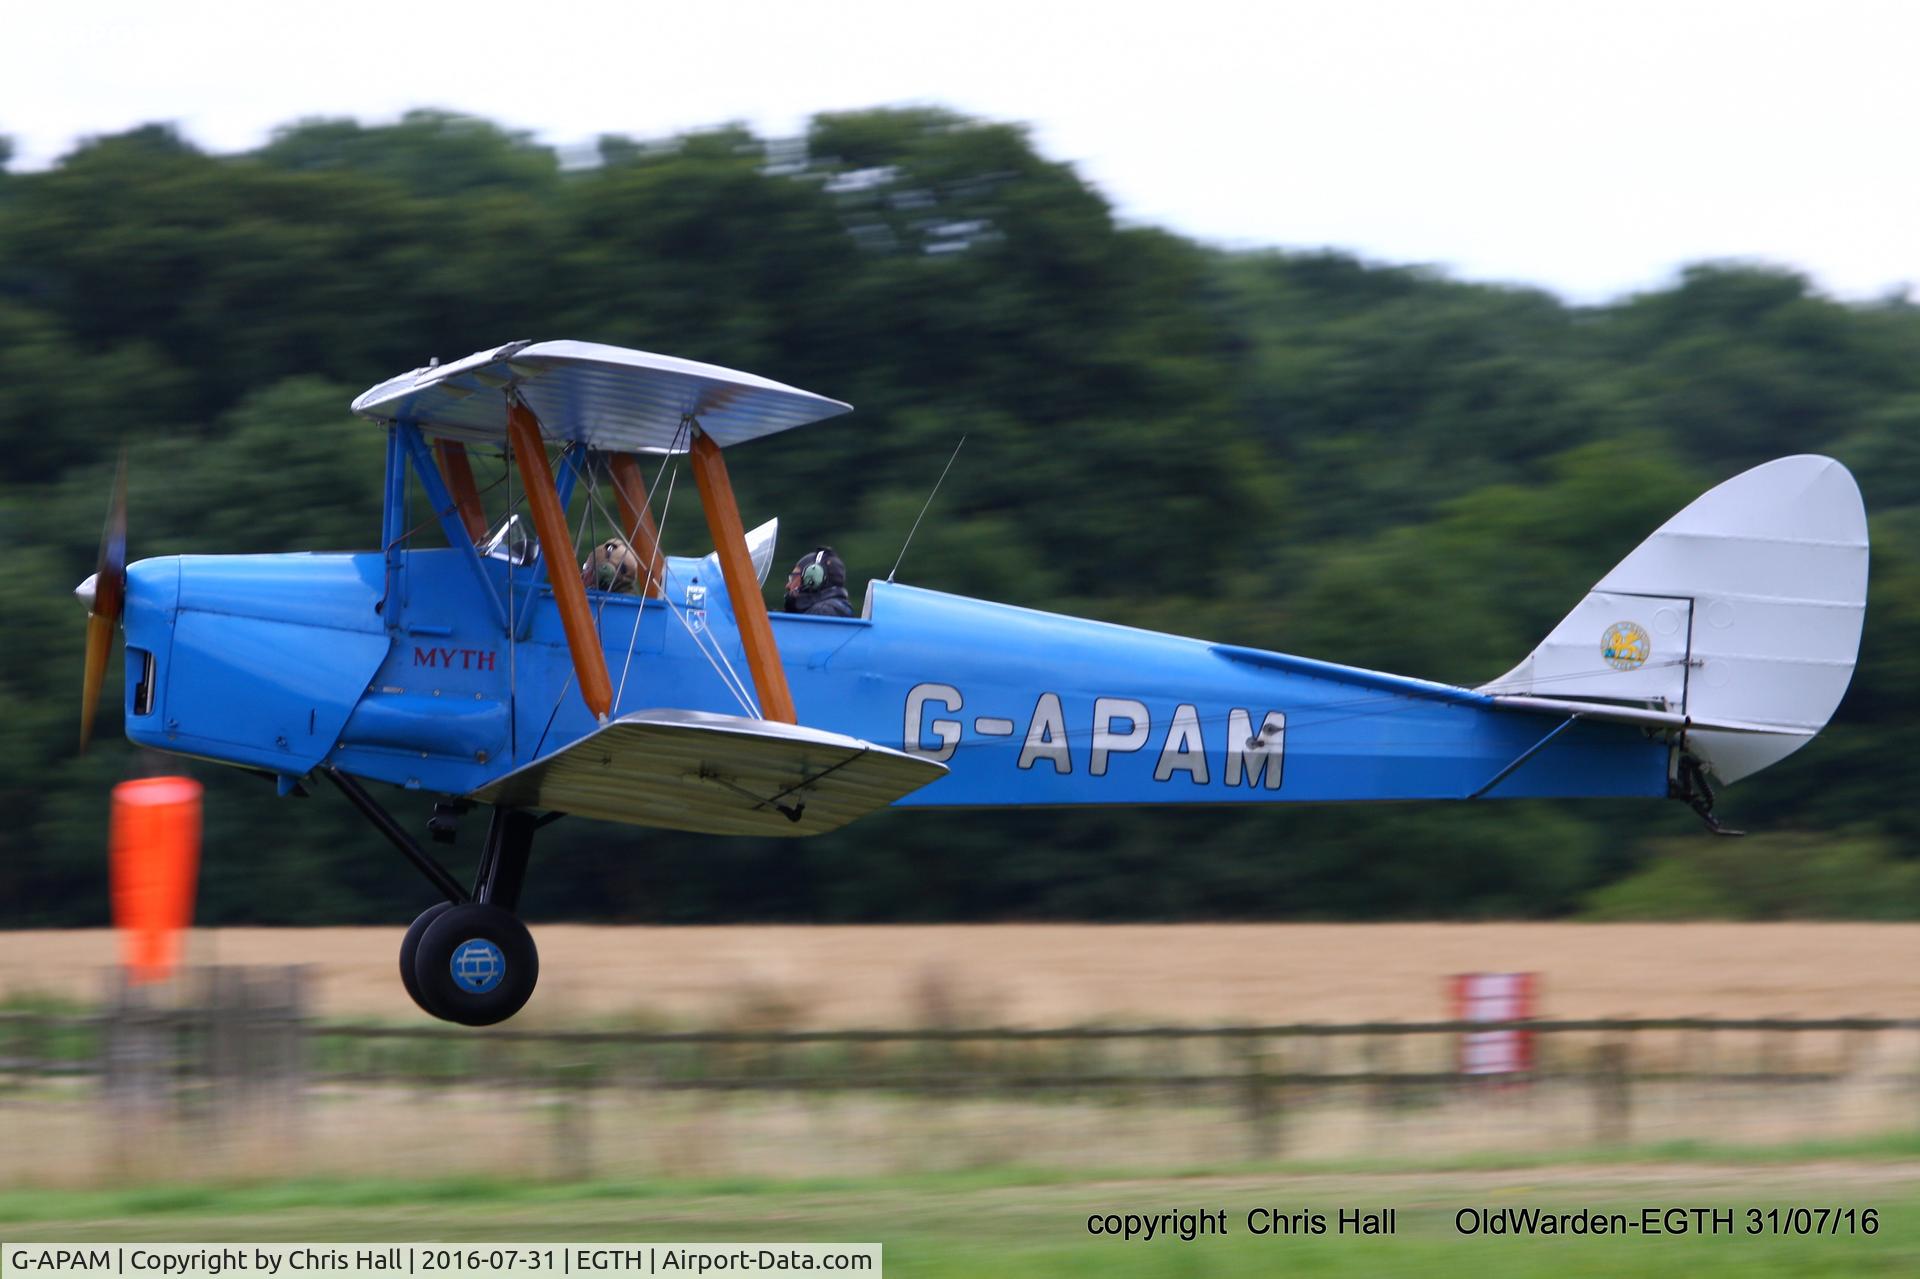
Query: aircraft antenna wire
x=923 y=509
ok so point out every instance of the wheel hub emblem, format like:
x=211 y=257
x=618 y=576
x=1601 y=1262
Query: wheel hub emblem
x=478 y=966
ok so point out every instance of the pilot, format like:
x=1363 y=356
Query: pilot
x=818 y=585
x=612 y=567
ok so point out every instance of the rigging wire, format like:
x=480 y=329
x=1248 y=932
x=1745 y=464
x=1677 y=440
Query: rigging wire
x=717 y=657
x=586 y=509
x=659 y=556
x=513 y=621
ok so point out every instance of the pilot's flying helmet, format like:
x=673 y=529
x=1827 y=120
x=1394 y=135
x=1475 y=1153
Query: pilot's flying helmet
x=818 y=569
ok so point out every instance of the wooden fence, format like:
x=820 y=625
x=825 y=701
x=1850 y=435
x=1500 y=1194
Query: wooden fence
x=237 y=1048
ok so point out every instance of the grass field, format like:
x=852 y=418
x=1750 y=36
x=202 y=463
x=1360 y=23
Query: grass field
x=1038 y=975
x=1013 y=1223
x=969 y=1197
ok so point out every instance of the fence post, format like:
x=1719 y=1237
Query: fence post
x=16 y=1032
x=1380 y=1095
x=289 y=1054
x=1612 y=1094
x=138 y=1061
x=1259 y=1100
x=572 y=1122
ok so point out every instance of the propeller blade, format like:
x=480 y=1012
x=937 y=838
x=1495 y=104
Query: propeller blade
x=107 y=599
x=112 y=570
x=99 y=649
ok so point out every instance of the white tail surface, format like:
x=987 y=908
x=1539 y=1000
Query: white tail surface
x=1744 y=608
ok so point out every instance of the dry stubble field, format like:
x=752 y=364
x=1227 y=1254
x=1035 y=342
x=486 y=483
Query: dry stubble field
x=1045 y=974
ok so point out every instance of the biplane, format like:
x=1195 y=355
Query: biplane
x=486 y=672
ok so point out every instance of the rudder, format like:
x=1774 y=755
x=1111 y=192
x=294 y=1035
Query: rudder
x=1746 y=607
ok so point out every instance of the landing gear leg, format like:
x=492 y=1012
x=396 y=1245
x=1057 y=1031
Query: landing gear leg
x=503 y=862
x=475 y=962
x=467 y=959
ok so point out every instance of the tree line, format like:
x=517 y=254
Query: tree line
x=1304 y=451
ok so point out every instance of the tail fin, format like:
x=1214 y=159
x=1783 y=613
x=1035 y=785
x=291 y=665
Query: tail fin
x=1741 y=615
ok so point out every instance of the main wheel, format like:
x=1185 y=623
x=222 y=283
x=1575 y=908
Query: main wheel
x=475 y=965
x=410 y=946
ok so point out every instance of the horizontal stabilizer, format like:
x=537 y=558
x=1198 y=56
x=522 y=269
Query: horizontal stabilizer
x=1612 y=713
x=716 y=774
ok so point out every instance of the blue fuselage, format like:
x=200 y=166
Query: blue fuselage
x=283 y=662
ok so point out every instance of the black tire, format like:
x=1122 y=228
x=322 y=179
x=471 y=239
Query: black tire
x=475 y=965
x=410 y=946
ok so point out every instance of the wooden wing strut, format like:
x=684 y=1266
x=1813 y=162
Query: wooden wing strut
x=743 y=584
x=637 y=521
x=458 y=473
x=556 y=548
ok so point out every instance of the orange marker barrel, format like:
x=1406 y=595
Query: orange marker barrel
x=155 y=846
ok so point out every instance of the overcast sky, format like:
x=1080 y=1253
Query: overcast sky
x=1589 y=148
